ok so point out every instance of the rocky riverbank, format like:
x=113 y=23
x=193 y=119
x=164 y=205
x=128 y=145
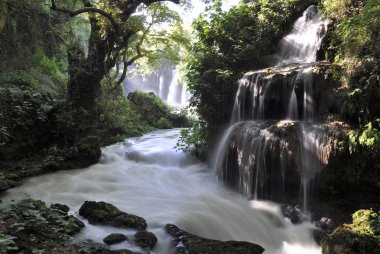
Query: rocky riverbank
x=29 y=226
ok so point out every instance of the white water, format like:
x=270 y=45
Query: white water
x=178 y=94
x=146 y=176
x=302 y=43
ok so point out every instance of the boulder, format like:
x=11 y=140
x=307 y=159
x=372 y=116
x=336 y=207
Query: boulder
x=360 y=237
x=107 y=214
x=185 y=242
x=90 y=247
x=145 y=239
x=114 y=238
x=292 y=212
x=60 y=207
x=346 y=241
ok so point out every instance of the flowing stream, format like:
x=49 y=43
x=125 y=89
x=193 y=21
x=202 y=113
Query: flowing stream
x=146 y=176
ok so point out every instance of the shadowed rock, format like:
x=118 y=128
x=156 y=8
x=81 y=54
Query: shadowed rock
x=191 y=244
x=114 y=238
x=107 y=214
x=145 y=239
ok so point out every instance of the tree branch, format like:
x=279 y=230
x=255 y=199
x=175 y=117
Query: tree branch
x=74 y=13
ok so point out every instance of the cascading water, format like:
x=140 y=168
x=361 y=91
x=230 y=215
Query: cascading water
x=165 y=85
x=302 y=43
x=146 y=176
x=178 y=95
x=272 y=145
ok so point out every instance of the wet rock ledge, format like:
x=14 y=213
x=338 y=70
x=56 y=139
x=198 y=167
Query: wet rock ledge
x=186 y=243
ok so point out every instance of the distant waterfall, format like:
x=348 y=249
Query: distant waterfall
x=178 y=95
x=164 y=84
x=272 y=146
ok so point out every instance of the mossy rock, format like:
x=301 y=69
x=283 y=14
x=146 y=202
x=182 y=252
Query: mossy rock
x=31 y=225
x=360 y=237
x=106 y=214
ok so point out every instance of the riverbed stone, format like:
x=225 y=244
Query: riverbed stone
x=185 y=242
x=107 y=214
x=145 y=239
x=114 y=238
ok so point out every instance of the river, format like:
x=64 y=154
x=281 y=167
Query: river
x=146 y=176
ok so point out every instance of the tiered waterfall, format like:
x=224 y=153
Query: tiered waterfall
x=278 y=141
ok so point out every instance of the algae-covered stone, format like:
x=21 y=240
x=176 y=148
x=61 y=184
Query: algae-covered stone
x=360 y=237
x=114 y=238
x=107 y=214
x=145 y=239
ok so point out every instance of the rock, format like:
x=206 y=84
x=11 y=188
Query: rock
x=345 y=241
x=326 y=223
x=267 y=159
x=60 y=207
x=33 y=226
x=359 y=237
x=191 y=244
x=114 y=238
x=319 y=235
x=145 y=239
x=107 y=214
x=90 y=247
x=292 y=212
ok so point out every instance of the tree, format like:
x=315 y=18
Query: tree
x=114 y=29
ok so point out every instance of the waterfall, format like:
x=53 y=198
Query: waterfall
x=301 y=45
x=164 y=84
x=273 y=146
x=178 y=95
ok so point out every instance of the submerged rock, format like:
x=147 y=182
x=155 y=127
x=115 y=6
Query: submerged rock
x=191 y=244
x=114 y=238
x=145 y=239
x=107 y=214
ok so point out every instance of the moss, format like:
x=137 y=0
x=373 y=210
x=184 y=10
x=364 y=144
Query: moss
x=360 y=237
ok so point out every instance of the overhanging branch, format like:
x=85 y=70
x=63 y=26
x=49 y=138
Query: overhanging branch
x=74 y=13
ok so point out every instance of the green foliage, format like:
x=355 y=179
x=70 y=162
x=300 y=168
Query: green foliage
x=164 y=123
x=48 y=66
x=367 y=138
x=194 y=139
x=366 y=222
x=7 y=244
x=229 y=44
x=354 y=46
